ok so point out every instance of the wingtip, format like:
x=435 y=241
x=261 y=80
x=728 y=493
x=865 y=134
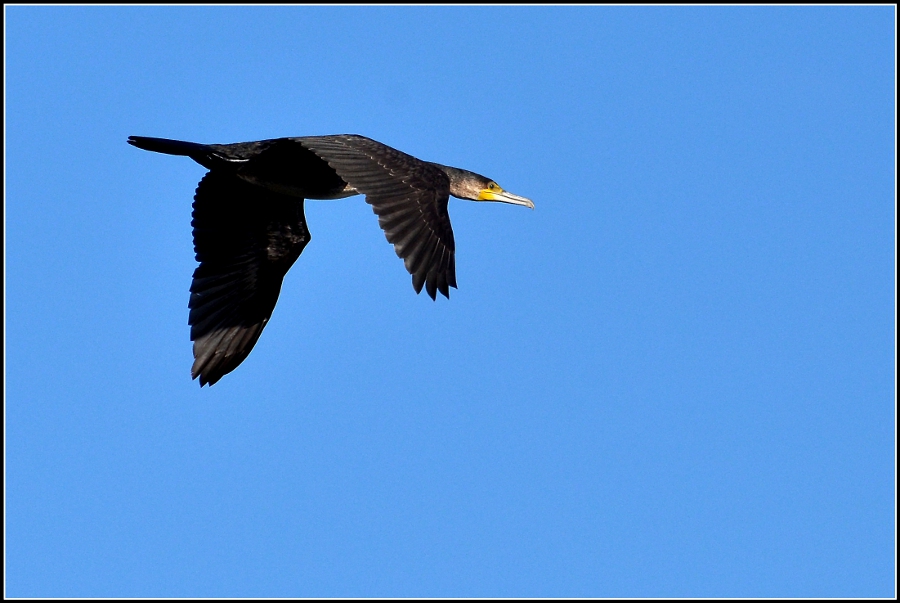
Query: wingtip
x=433 y=291
x=204 y=380
x=431 y=287
x=202 y=376
x=417 y=284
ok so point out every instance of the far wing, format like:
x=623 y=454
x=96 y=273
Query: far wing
x=246 y=238
x=410 y=198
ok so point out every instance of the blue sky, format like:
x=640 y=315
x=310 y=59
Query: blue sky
x=674 y=377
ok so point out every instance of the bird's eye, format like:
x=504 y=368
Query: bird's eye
x=492 y=186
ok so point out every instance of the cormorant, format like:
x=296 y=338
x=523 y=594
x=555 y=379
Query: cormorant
x=249 y=226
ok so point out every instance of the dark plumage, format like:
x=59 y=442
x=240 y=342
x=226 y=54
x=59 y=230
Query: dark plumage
x=249 y=226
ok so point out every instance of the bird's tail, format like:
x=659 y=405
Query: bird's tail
x=169 y=147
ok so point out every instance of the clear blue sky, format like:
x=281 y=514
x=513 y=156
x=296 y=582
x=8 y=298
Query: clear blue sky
x=674 y=377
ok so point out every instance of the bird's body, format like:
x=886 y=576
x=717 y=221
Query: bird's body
x=249 y=225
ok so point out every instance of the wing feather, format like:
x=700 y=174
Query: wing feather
x=409 y=196
x=245 y=238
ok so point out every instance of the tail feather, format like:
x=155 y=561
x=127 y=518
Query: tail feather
x=169 y=147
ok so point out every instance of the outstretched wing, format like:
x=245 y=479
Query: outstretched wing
x=409 y=196
x=246 y=238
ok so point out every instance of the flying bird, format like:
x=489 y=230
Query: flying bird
x=249 y=226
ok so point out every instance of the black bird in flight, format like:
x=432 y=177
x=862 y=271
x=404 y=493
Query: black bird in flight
x=249 y=226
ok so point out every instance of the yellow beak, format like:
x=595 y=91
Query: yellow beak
x=504 y=197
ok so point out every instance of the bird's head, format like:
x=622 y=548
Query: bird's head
x=475 y=187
